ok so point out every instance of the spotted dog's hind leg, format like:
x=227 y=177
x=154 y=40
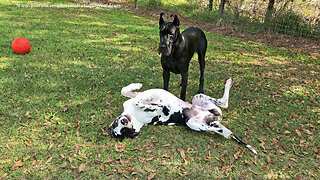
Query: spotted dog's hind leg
x=215 y=126
x=128 y=90
x=204 y=100
x=223 y=102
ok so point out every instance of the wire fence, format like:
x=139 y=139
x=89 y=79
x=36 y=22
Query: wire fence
x=286 y=23
x=250 y=15
x=287 y=17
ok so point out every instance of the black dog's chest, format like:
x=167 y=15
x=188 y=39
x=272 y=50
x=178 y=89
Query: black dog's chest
x=172 y=65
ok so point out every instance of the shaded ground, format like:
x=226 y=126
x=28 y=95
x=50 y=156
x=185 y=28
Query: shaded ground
x=279 y=40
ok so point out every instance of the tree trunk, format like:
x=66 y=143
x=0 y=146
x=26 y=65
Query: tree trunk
x=135 y=3
x=210 y=5
x=269 y=12
x=221 y=8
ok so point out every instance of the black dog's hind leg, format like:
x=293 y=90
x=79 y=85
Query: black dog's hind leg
x=202 y=48
x=202 y=67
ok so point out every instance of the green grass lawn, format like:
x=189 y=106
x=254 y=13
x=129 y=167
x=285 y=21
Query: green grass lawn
x=57 y=101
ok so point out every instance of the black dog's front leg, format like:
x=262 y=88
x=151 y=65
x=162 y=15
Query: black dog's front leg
x=166 y=77
x=184 y=82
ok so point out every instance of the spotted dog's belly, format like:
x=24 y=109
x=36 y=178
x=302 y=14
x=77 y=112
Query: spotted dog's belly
x=166 y=109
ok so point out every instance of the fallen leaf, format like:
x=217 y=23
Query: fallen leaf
x=286 y=132
x=125 y=176
x=149 y=159
x=18 y=164
x=280 y=151
x=26 y=158
x=298 y=132
x=272 y=113
x=82 y=167
x=182 y=154
x=119 y=170
x=165 y=163
x=102 y=167
x=120 y=147
x=4 y=175
x=307 y=131
x=64 y=164
x=65 y=108
x=310 y=138
x=262 y=144
x=236 y=155
x=103 y=132
x=49 y=160
x=141 y=158
x=24 y=124
x=51 y=145
x=151 y=176
x=60 y=145
x=70 y=159
x=298 y=177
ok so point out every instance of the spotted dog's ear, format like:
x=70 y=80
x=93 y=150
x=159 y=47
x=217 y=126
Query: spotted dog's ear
x=190 y=112
x=215 y=112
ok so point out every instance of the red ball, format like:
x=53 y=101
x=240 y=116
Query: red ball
x=21 y=45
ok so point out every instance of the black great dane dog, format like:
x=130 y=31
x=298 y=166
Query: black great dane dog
x=177 y=50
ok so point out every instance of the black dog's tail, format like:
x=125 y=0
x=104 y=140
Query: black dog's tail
x=243 y=143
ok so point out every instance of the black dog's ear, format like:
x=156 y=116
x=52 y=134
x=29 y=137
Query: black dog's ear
x=161 y=21
x=176 y=20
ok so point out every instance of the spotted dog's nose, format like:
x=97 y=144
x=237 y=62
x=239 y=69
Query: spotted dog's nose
x=110 y=132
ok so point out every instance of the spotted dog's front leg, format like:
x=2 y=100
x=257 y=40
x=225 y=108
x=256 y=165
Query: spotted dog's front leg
x=218 y=128
x=215 y=126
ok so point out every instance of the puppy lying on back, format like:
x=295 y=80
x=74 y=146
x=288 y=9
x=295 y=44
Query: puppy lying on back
x=159 y=107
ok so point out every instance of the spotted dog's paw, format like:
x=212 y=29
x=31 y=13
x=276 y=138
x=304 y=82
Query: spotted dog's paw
x=135 y=86
x=229 y=83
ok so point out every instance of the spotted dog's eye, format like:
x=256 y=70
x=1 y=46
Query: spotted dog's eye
x=124 y=121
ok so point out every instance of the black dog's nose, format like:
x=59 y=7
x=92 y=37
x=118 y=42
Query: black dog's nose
x=162 y=46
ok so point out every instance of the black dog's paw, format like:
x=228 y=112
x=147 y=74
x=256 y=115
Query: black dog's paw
x=200 y=92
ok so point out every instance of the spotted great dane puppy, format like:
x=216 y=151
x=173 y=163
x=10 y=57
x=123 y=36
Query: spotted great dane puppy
x=159 y=107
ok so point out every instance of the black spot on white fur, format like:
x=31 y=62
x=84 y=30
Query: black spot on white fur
x=155 y=120
x=165 y=110
x=177 y=118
